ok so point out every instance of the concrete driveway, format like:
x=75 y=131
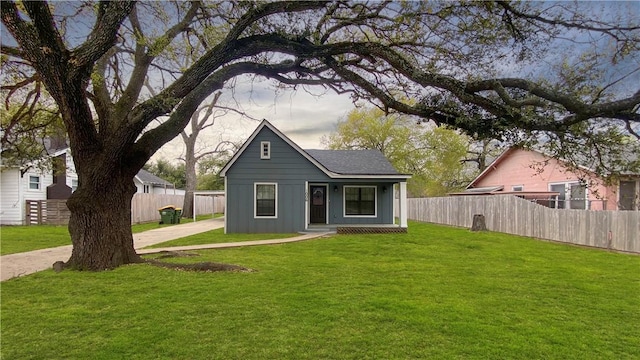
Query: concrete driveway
x=20 y=264
x=15 y=265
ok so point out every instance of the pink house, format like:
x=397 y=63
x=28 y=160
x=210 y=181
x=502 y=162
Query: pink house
x=534 y=176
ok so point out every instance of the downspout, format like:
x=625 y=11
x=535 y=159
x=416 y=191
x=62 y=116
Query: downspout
x=306 y=205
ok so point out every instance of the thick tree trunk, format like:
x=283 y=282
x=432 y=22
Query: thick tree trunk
x=100 y=226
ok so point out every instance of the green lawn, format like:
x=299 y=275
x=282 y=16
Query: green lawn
x=15 y=239
x=435 y=293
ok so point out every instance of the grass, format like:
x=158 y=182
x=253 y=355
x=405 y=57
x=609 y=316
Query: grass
x=217 y=236
x=16 y=239
x=437 y=292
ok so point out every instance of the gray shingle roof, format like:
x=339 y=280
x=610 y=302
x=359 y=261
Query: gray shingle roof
x=148 y=178
x=354 y=162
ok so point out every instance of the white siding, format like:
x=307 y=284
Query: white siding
x=161 y=190
x=71 y=170
x=138 y=185
x=10 y=204
x=15 y=191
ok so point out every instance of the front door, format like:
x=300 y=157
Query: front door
x=318 y=204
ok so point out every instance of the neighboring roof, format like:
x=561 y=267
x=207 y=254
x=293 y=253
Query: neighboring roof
x=505 y=154
x=487 y=191
x=354 y=162
x=146 y=177
x=484 y=190
x=334 y=163
x=491 y=167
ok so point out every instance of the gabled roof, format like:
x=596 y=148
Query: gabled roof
x=491 y=167
x=146 y=177
x=354 y=162
x=505 y=154
x=334 y=163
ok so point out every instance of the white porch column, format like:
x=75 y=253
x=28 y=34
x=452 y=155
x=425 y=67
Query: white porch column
x=402 y=208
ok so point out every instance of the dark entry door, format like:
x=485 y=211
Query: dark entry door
x=318 y=204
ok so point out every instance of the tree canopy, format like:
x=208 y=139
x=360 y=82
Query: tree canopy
x=535 y=70
x=432 y=155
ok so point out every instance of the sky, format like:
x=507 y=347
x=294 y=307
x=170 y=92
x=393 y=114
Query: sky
x=302 y=116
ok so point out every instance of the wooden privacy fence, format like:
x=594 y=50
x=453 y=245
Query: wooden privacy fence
x=144 y=208
x=47 y=212
x=617 y=230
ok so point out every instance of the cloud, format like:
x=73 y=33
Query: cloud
x=301 y=116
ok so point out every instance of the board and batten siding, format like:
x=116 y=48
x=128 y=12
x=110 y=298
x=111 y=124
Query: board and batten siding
x=286 y=167
x=616 y=230
x=292 y=173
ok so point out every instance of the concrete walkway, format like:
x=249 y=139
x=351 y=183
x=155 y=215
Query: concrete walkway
x=15 y=265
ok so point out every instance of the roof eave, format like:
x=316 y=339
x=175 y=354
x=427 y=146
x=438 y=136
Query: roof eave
x=255 y=133
x=364 y=176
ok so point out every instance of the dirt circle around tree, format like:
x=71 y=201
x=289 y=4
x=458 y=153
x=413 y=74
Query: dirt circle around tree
x=206 y=266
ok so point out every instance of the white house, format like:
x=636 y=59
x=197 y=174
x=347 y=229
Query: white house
x=147 y=183
x=17 y=185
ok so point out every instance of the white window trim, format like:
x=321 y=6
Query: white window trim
x=513 y=188
x=344 y=201
x=264 y=156
x=39 y=183
x=255 y=200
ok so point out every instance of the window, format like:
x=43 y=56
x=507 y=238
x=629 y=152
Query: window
x=558 y=203
x=34 y=182
x=265 y=150
x=266 y=204
x=570 y=196
x=517 y=188
x=578 y=193
x=74 y=185
x=145 y=189
x=360 y=201
x=628 y=197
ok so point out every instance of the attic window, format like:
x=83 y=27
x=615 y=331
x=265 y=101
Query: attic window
x=265 y=150
x=518 y=188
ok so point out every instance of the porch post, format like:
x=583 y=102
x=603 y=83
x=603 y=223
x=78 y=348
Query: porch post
x=403 y=204
x=306 y=205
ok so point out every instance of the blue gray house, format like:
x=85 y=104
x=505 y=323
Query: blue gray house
x=274 y=186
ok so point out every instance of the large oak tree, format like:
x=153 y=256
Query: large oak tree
x=454 y=57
